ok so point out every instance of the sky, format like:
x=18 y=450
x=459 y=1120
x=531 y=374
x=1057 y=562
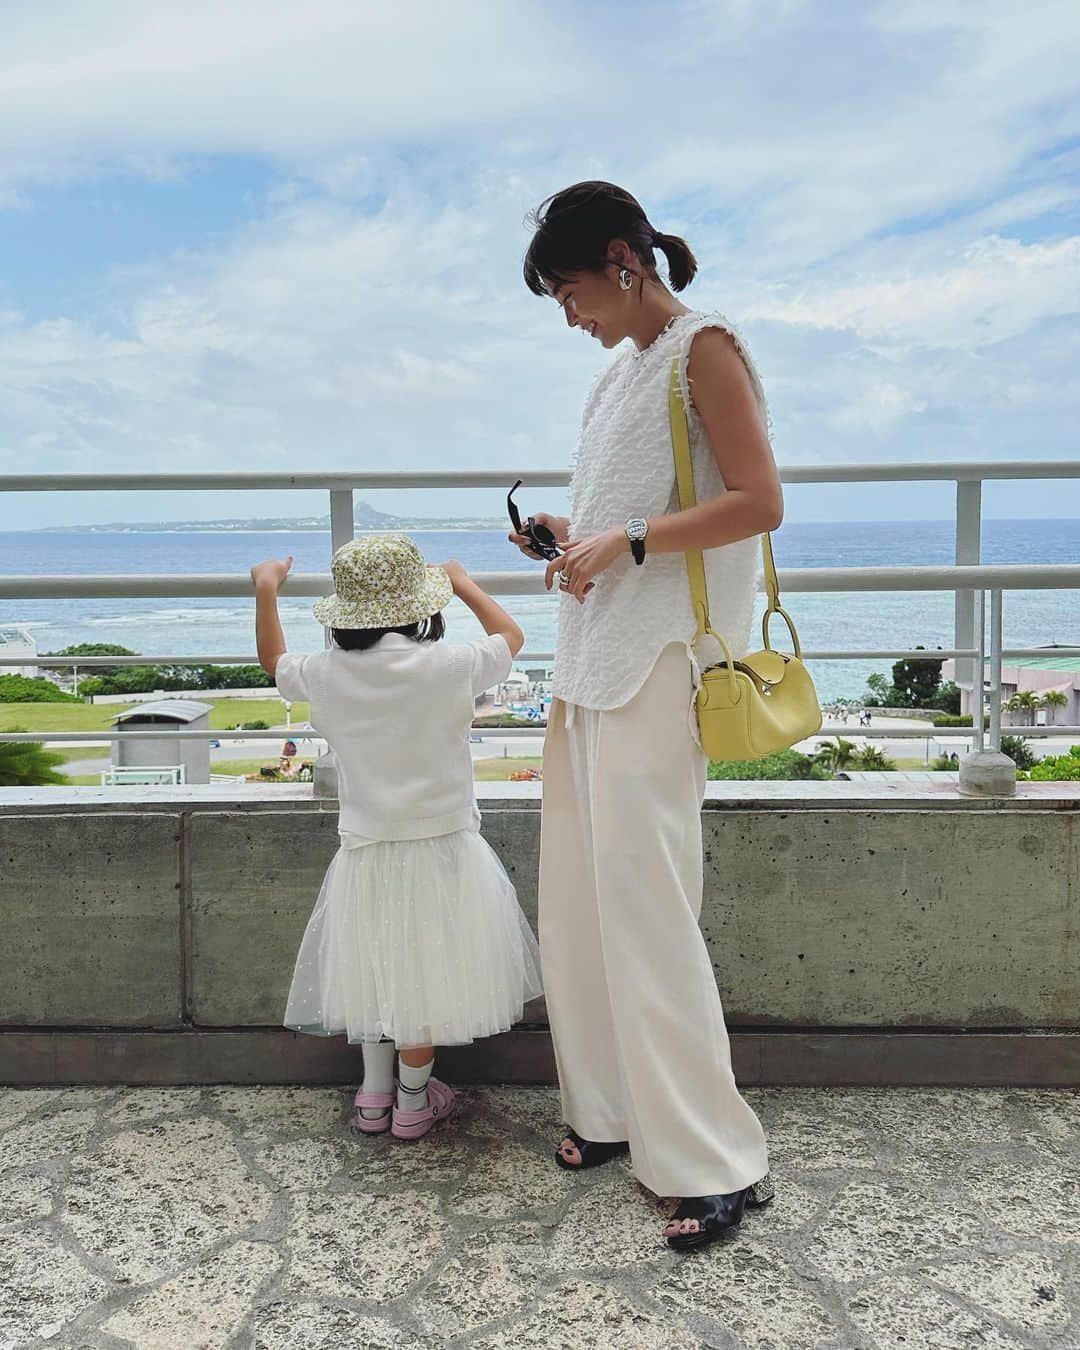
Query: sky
x=288 y=237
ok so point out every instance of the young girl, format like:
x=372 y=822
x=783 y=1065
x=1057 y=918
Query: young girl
x=416 y=938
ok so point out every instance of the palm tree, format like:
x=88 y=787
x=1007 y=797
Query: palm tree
x=1052 y=700
x=835 y=757
x=27 y=764
x=1025 y=701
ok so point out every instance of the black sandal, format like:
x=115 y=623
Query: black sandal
x=593 y=1152
x=718 y=1214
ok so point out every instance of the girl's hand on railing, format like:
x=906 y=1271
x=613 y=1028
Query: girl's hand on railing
x=271 y=572
x=456 y=572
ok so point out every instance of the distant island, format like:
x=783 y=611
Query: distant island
x=365 y=517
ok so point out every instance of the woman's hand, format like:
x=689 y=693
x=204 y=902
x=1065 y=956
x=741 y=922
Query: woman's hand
x=585 y=559
x=558 y=525
x=271 y=572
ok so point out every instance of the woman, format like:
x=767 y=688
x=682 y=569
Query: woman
x=640 y=1042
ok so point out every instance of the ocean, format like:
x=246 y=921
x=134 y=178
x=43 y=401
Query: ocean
x=845 y=620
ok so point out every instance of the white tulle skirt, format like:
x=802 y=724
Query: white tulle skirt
x=420 y=941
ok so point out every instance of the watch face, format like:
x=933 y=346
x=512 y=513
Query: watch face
x=636 y=529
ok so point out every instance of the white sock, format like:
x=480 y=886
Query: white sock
x=378 y=1074
x=412 y=1085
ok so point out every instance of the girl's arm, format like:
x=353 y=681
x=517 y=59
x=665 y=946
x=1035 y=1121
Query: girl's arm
x=491 y=614
x=269 y=637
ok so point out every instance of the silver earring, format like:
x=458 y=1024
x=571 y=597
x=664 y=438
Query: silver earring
x=626 y=278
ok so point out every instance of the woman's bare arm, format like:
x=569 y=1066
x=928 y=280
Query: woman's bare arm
x=725 y=402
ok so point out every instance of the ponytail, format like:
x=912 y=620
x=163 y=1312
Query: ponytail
x=682 y=265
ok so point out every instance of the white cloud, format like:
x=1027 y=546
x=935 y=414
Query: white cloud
x=859 y=181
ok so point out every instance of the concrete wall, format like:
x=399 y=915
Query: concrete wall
x=824 y=911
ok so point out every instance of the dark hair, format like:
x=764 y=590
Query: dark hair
x=575 y=227
x=431 y=629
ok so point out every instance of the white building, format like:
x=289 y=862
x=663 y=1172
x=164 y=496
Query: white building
x=18 y=642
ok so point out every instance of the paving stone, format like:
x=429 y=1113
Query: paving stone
x=491 y=1275
x=1036 y=1196
x=15 y=1103
x=273 y=1112
x=537 y=1109
x=151 y=1200
x=24 y=1196
x=1022 y=1287
x=150 y=1103
x=610 y=1225
x=871 y=1227
x=43 y=1286
x=204 y=1306
x=584 y=1313
x=752 y=1292
x=361 y=1246
x=1054 y=1114
x=302 y=1164
x=504 y=1178
x=901 y=1314
x=285 y=1325
x=380 y=1163
x=806 y=1138
x=55 y=1135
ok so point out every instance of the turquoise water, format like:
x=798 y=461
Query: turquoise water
x=844 y=620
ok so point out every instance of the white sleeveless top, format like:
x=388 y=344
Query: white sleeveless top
x=624 y=466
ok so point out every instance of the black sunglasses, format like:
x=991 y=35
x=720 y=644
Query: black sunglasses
x=541 y=539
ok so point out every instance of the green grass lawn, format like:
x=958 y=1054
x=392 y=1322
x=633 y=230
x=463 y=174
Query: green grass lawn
x=87 y=717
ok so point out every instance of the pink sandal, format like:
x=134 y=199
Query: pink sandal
x=372 y=1100
x=415 y=1124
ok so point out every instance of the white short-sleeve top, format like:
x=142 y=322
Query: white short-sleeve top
x=624 y=466
x=397 y=717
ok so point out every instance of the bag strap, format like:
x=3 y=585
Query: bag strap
x=695 y=563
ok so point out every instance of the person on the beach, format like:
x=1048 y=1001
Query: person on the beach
x=640 y=1042
x=416 y=938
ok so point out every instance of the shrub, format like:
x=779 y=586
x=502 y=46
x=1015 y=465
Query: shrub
x=1055 y=768
x=943 y=764
x=254 y=726
x=20 y=689
x=870 y=757
x=786 y=764
x=1019 y=751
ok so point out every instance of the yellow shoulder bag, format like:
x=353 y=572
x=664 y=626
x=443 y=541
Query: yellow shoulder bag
x=766 y=702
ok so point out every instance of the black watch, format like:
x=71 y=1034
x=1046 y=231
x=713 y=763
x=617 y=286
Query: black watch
x=636 y=530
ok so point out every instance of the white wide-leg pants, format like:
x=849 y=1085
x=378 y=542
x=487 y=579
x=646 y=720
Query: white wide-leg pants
x=638 y=1028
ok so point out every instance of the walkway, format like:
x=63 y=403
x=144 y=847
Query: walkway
x=253 y=1217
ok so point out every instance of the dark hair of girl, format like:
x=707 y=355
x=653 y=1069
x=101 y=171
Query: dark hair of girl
x=431 y=629
x=575 y=227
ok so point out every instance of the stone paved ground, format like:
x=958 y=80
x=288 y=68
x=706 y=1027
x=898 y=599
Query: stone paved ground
x=253 y=1217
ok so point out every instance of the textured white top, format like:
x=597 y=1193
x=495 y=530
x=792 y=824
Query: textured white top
x=397 y=718
x=624 y=466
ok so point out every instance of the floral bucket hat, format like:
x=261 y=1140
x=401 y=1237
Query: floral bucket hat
x=382 y=581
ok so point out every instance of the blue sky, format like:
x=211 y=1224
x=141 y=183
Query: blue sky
x=289 y=237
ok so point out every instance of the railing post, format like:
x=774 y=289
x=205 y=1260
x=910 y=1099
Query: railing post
x=986 y=771
x=968 y=550
x=341 y=517
x=995 y=670
x=978 y=621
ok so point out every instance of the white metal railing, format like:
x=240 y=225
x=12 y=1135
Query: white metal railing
x=968 y=578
